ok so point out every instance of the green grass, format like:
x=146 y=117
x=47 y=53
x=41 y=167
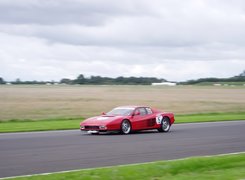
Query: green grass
x=209 y=117
x=41 y=125
x=214 y=167
x=73 y=123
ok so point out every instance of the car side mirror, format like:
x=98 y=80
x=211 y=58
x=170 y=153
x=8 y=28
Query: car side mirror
x=103 y=113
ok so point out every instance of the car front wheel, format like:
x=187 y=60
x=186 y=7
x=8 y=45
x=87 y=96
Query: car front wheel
x=125 y=127
x=165 y=125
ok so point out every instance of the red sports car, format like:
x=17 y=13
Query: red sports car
x=126 y=119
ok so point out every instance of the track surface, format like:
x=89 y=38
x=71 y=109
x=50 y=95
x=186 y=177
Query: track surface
x=41 y=152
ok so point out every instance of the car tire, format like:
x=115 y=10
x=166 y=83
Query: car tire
x=125 y=127
x=165 y=125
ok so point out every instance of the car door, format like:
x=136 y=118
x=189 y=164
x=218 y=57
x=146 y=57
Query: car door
x=141 y=119
x=150 y=118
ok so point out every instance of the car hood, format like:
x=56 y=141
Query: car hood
x=101 y=120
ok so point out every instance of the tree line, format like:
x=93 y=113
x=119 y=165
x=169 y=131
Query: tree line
x=108 y=80
x=238 y=78
x=93 y=80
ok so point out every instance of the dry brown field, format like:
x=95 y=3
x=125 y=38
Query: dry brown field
x=61 y=101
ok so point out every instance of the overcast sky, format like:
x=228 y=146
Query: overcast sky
x=172 y=39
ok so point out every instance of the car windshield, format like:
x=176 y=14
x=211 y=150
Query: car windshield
x=120 y=112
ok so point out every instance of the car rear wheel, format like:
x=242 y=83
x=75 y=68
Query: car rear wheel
x=125 y=127
x=165 y=125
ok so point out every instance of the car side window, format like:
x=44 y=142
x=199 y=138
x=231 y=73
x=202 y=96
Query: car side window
x=142 y=111
x=148 y=110
x=137 y=112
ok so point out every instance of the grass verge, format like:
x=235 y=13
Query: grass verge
x=39 y=125
x=213 y=167
x=209 y=117
x=63 y=124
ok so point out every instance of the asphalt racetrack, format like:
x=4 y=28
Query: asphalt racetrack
x=42 y=152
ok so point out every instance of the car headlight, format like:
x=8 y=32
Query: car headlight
x=82 y=127
x=103 y=127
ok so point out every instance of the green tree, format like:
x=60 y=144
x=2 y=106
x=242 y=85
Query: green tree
x=66 y=81
x=2 y=81
x=80 y=79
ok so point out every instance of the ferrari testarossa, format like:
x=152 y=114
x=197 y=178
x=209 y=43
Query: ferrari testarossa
x=126 y=119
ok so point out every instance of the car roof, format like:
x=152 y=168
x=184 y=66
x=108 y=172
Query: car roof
x=132 y=106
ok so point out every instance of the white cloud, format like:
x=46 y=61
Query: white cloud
x=171 y=39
